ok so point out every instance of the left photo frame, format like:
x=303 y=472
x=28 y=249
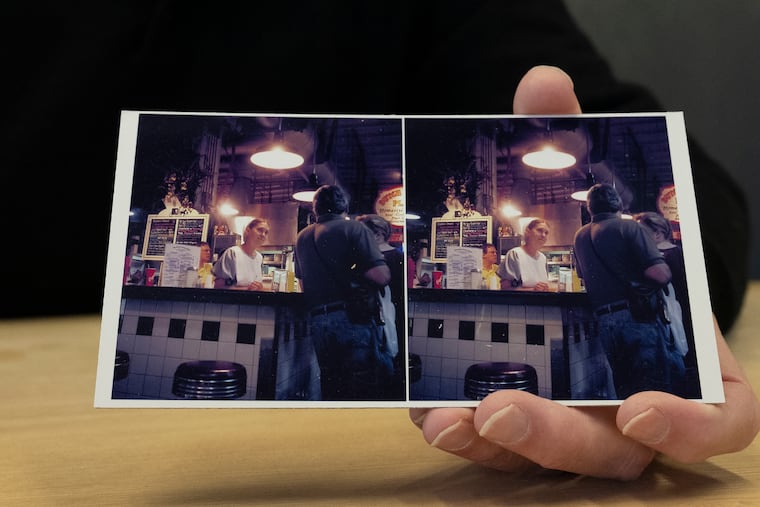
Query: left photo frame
x=180 y=327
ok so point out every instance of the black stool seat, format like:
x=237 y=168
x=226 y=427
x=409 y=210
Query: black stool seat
x=209 y=380
x=482 y=379
x=121 y=365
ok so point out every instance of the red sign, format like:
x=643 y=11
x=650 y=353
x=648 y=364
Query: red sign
x=667 y=203
x=390 y=205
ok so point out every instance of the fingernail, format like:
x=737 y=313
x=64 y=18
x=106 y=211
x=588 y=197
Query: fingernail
x=559 y=71
x=420 y=419
x=455 y=438
x=506 y=426
x=567 y=76
x=649 y=427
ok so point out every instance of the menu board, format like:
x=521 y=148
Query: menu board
x=469 y=232
x=179 y=229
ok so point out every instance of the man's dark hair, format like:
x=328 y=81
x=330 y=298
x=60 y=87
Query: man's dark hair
x=603 y=198
x=329 y=199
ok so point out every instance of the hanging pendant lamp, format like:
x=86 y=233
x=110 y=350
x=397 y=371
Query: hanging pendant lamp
x=276 y=155
x=307 y=194
x=548 y=157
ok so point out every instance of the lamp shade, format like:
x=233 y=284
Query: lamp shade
x=548 y=158
x=580 y=195
x=306 y=193
x=277 y=157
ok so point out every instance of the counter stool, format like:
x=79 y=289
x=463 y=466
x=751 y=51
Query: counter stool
x=482 y=379
x=121 y=365
x=415 y=367
x=209 y=380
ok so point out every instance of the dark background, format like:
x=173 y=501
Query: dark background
x=69 y=69
x=697 y=56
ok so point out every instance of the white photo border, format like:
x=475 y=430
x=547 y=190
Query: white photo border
x=704 y=334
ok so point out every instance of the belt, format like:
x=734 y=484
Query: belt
x=611 y=308
x=328 y=308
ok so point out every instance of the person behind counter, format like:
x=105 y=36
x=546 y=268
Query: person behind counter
x=490 y=266
x=240 y=266
x=524 y=267
x=205 y=265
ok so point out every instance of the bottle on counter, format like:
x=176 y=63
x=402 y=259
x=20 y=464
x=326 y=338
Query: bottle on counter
x=577 y=285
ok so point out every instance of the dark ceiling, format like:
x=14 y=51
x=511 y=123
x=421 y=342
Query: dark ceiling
x=364 y=154
x=632 y=152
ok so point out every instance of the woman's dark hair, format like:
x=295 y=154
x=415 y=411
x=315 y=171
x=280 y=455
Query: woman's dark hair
x=655 y=222
x=603 y=198
x=329 y=199
x=376 y=224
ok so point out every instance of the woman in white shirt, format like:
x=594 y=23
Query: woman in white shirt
x=524 y=267
x=239 y=267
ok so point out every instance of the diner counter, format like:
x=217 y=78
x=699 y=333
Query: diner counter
x=220 y=296
x=504 y=297
x=59 y=450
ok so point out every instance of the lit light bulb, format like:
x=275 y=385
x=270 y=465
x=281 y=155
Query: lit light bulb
x=548 y=158
x=509 y=211
x=277 y=158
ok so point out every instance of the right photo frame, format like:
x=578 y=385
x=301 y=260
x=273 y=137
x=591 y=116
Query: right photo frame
x=560 y=255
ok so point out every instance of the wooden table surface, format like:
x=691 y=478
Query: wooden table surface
x=56 y=449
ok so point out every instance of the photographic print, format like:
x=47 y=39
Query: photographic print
x=230 y=285
x=539 y=306
x=213 y=205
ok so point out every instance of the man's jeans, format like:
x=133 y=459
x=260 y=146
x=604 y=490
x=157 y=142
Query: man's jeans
x=641 y=355
x=353 y=360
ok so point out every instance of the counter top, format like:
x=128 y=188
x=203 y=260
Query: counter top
x=59 y=450
x=505 y=297
x=222 y=296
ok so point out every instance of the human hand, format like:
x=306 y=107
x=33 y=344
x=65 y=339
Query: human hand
x=513 y=430
x=541 y=287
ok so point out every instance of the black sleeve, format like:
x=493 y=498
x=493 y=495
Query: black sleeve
x=478 y=65
x=341 y=56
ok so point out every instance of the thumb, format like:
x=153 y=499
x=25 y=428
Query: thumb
x=545 y=90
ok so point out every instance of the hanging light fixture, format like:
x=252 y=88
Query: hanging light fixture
x=307 y=194
x=510 y=211
x=548 y=157
x=580 y=195
x=276 y=156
